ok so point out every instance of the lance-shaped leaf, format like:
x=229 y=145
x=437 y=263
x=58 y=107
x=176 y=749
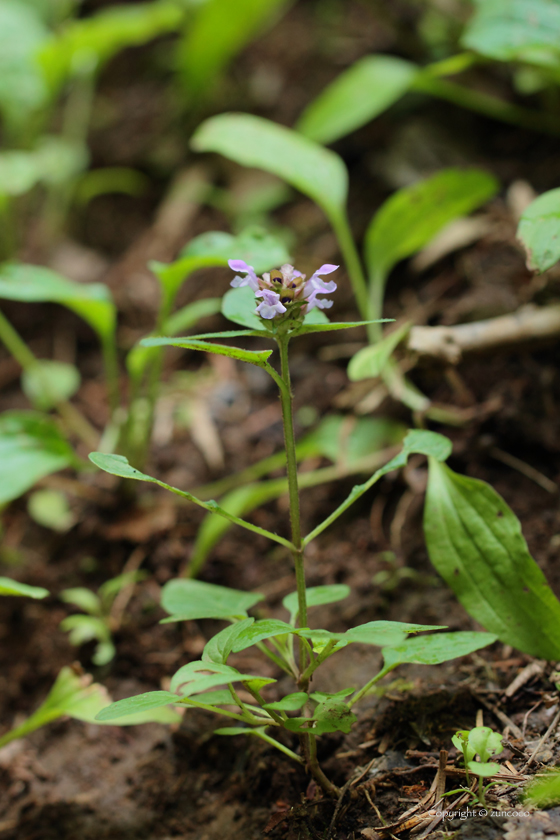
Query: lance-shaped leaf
x=218 y=32
x=196 y=677
x=379 y=633
x=433 y=650
x=118 y=465
x=289 y=703
x=139 y=704
x=475 y=542
x=358 y=95
x=253 y=357
x=190 y=599
x=31 y=447
x=371 y=361
x=509 y=30
x=266 y=628
x=22 y=590
x=539 y=231
x=411 y=217
x=220 y=646
x=78 y=697
x=35 y=284
x=256 y=142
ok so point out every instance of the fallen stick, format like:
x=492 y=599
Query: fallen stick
x=449 y=343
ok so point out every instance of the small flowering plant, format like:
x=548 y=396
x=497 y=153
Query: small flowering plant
x=280 y=306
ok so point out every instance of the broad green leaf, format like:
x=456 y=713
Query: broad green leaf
x=48 y=383
x=370 y=361
x=22 y=88
x=461 y=741
x=266 y=628
x=239 y=305
x=23 y=590
x=18 y=170
x=221 y=697
x=220 y=646
x=85 y=44
x=218 y=32
x=433 y=650
x=83 y=598
x=83 y=628
x=428 y=443
x=508 y=30
x=543 y=792
x=411 y=217
x=190 y=599
x=333 y=716
x=256 y=142
x=199 y=676
x=253 y=357
x=31 y=447
x=35 y=284
x=475 y=543
x=256 y=246
x=140 y=703
x=485 y=742
x=379 y=633
x=289 y=703
x=50 y=508
x=539 y=231
x=316 y=596
x=484 y=769
x=370 y=86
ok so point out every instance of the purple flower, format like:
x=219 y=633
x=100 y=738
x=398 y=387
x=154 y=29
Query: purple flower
x=270 y=306
x=285 y=287
x=250 y=279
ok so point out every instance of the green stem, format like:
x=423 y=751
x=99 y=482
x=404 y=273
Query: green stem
x=293 y=490
x=316 y=771
x=489 y=106
x=352 y=262
x=376 y=295
x=312 y=667
x=368 y=686
x=111 y=365
x=15 y=344
x=286 y=750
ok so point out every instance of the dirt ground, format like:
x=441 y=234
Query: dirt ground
x=72 y=780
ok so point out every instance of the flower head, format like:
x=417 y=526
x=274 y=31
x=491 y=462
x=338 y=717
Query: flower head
x=285 y=289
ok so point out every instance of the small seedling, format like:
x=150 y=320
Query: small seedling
x=100 y=620
x=478 y=745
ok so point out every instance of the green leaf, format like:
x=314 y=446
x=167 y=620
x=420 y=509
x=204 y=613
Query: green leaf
x=48 y=383
x=218 y=32
x=509 y=30
x=475 y=543
x=255 y=245
x=379 y=633
x=289 y=703
x=50 y=508
x=23 y=590
x=539 y=231
x=370 y=86
x=461 y=741
x=253 y=357
x=198 y=676
x=266 y=628
x=234 y=730
x=433 y=650
x=238 y=305
x=222 y=697
x=18 y=170
x=427 y=443
x=35 y=284
x=543 y=792
x=220 y=646
x=370 y=361
x=31 y=447
x=256 y=142
x=484 y=769
x=190 y=599
x=316 y=597
x=83 y=628
x=140 y=703
x=411 y=217
x=22 y=88
x=332 y=716
x=83 y=45
x=83 y=598
x=485 y=742
x=308 y=327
